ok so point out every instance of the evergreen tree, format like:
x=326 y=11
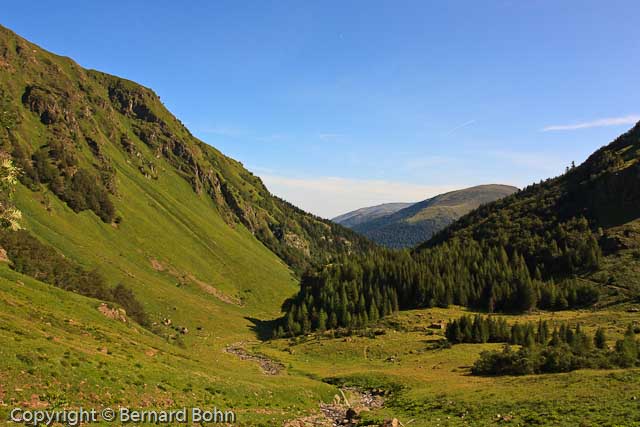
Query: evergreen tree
x=600 y=339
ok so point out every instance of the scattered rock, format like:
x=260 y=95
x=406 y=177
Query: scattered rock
x=113 y=313
x=390 y=423
x=351 y=415
x=436 y=325
x=268 y=366
x=295 y=241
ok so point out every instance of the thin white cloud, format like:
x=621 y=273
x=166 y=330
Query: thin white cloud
x=610 y=121
x=329 y=197
x=457 y=128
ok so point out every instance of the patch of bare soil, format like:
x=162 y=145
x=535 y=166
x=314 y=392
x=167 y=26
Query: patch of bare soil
x=156 y=265
x=268 y=366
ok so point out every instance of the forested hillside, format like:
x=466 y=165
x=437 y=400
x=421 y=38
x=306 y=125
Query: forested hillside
x=416 y=223
x=565 y=242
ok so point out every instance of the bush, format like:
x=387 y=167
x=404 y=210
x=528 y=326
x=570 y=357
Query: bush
x=126 y=298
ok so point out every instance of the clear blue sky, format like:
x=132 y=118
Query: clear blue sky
x=343 y=104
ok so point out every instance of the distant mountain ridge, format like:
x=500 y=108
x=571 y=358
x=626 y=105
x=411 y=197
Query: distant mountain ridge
x=415 y=223
x=364 y=215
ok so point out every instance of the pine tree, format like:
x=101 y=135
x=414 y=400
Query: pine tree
x=322 y=320
x=600 y=339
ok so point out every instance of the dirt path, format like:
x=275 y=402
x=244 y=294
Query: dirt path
x=268 y=366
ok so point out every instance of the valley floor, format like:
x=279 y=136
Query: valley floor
x=429 y=386
x=59 y=351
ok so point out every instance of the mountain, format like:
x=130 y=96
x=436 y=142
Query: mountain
x=568 y=242
x=413 y=224
x=365 y=215
x=601 y=197
x=76 y=131
x=123 y=208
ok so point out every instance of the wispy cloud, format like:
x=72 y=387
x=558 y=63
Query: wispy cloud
x=610 y=121
x=332 y=196
x=457 y=128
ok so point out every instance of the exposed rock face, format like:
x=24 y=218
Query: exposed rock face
x=295 y=241
x=133 y=102
x=44 y=103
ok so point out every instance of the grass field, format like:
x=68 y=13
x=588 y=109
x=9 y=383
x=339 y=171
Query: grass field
x=434 y=386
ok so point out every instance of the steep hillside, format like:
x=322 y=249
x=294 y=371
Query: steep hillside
x=571 y=241
x=364 y=215
x=602 y=195
x=78 y=134
x=416 y=223
x=115 y=190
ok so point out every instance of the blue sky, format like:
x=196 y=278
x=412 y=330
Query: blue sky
x=339 y=105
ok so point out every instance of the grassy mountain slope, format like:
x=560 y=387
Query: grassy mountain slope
x=115 y=183
x=85 y=136
x=363 y=215
x=58 y=351
x=418 y=222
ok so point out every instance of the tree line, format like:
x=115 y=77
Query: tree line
x=542 y=350
x=359 y=289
